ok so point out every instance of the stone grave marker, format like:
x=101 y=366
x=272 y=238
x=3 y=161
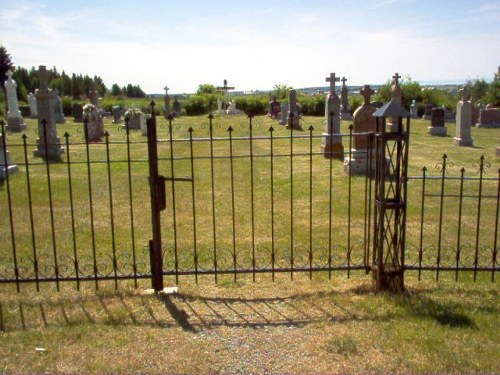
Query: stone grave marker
x=396 y=97
x=414 y=109
x=44 y=102
x=284 y=113
x=427 y=111
x=133 y=115
x=464 y=120
x=437 y=122
x=166 y=100
x=15 y=121
x=58 y=108
x=332 y=141
x=344 y=99
x=293 y=117
x=363 y=156
x=32 y=103
x=77 y=111
x=144 y=123
x=274 y=108
x=489 y=118
x=5 y=166
x=177 y=107
x=117 y=114
x=93 y=120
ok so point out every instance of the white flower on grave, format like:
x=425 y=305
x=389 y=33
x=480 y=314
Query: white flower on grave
x=133 y=112
x=88 y=109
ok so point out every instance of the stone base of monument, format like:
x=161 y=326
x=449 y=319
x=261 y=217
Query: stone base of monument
x=495 y=125
x=360 y=164
x=345 y=116
x=467 y=142
x=234 y=112
x=53 y=152
x=133 y=123
x=332 y=146
x=437 y=130
x=15 y=124
x=296 y=125
x=11 y=169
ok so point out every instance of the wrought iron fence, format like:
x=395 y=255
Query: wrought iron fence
x=241 y=200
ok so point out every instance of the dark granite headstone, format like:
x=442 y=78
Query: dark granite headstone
x=437 y=122
x=77 y=112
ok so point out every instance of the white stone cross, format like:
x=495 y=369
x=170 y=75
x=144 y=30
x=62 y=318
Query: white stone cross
x=332 y=79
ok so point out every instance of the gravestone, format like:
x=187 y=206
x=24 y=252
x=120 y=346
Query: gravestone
x=166 y=100
x=220 y=111
x=58 y=109
x=332 y=141
x=489 y=118
x=274 y=108
x=396 y=97
x=363 y=156
x=48 y=143
x=94 y=96
x=5 y=166
x=117 y=114
x=177 y=108
x=77 y=111
x=293 y=116
x=437 y=122
x=15 y=121
x=464 y=120
x=427 y=111
x=133 y=116
x=284 y=113
x=344 y=99
x=144 y=123
x=93 y=120
x=414 y=109
x=232 y=110
x=32 y=104
x=449 y=116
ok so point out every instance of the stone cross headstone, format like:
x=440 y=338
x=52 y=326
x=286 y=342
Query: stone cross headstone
x=332 y=141
x=15 y=121
x=48 y=143
x=177 y=107
x=344 y=98
x=77 y=112
x=167 y=102
x=293 y=117
x=414 y=109
x=58 y=108
x=463 y=120
x=32 y=104
x=363 y=155
x=437 y=123
x=396 y=97
x=5 y=166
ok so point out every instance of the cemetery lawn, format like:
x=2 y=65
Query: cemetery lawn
x=317 y=325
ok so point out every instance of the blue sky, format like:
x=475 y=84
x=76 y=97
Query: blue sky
x=255 y=44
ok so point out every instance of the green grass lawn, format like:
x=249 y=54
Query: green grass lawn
x=318 y=325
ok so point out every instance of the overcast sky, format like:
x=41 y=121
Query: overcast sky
x=254 y=44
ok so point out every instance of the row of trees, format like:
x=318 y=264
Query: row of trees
x=76 y=86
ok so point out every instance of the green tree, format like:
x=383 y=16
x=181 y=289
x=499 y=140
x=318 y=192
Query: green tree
x=5 y=66
x=206 y=88
x=478 y=89
x=116 y=90
x=493 y=93
x=281 y=90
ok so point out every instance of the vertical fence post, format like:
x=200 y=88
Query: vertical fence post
x=158 y=200
x=390 y=198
